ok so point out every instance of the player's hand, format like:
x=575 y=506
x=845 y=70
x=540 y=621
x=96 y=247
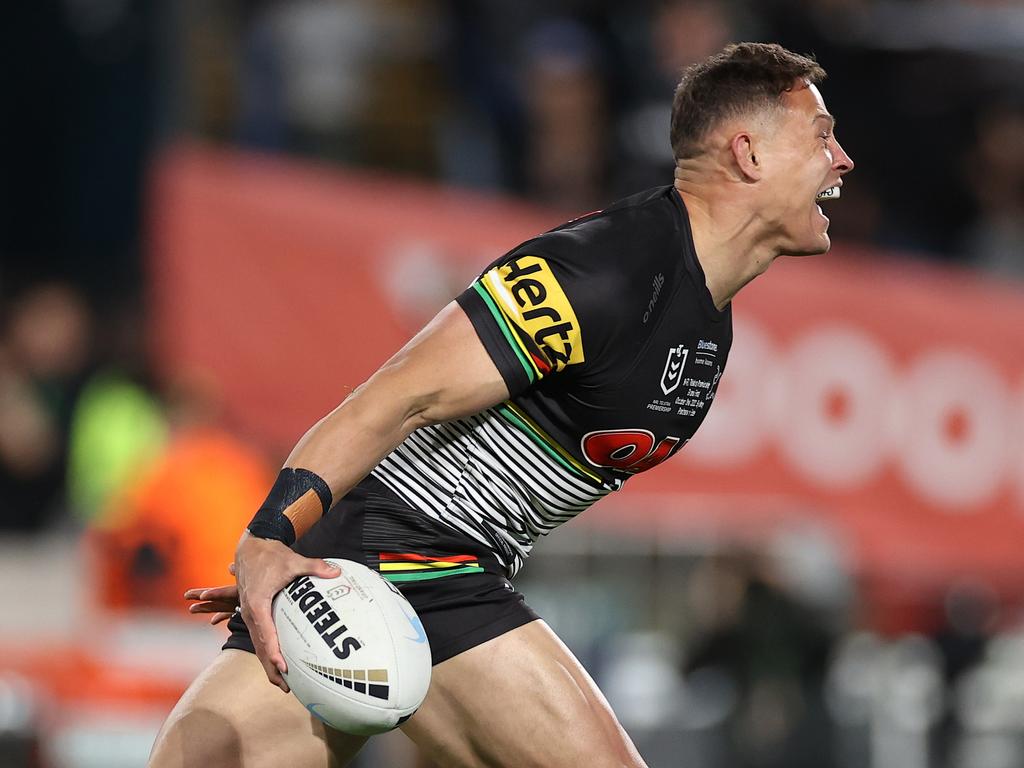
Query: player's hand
x=263 y=567
x=220 y=601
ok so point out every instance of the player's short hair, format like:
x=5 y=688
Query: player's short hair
x=743 y=78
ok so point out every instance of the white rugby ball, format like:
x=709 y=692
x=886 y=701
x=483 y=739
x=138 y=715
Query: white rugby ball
x=357 y=655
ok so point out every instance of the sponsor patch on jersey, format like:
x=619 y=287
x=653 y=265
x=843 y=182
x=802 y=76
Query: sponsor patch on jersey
x=535 y=308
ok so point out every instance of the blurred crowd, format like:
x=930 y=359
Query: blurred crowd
x=90 y=440
x=567 y=102
x=564 y=102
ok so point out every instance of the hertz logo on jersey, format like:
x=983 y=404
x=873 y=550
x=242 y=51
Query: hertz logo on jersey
x=534 y=313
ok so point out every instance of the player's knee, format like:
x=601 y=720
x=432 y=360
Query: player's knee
x=606 y=745
x=198 y=738
x=614 y=755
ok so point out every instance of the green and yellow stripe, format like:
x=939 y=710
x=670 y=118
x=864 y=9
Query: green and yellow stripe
x=528 y=426
x=508 y=329
x=408 y=566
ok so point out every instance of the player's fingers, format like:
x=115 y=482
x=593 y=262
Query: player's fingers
x=212 y=606
x=269 y=668
x=314 y=566
x=227 y=593
x=223 y=616
x=224 y=592
x=264 y=639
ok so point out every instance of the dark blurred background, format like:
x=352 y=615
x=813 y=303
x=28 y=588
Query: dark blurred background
x=715 y=651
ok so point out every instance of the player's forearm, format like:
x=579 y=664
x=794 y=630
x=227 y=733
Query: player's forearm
x=337 y=452
x=443 y=373
x=347 y=443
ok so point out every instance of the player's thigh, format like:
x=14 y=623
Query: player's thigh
x=233 y=717
x=521 y=699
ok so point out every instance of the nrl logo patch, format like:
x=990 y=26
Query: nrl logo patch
x=674 y=365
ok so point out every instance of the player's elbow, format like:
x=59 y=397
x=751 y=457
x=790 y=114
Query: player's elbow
x=421 y=411
x=397 y=396
x=421 y=391
x=433 y=406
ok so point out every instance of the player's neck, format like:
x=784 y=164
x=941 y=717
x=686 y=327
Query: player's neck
x=731 y=245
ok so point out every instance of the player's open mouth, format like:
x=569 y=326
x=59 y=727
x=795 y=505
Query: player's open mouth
x=829 y=193
x=832 y=193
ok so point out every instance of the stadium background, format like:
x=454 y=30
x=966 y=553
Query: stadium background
x=219 y=216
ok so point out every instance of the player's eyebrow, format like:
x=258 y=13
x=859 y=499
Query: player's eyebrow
x=826 y=116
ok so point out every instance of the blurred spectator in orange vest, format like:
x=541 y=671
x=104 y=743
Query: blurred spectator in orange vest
x=176 y=526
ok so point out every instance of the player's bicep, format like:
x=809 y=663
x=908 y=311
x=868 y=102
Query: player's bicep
x=447 y=370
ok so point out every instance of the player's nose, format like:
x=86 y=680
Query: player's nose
x=841 y=161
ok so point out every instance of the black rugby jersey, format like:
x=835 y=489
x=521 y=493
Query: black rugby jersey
x=607 y=337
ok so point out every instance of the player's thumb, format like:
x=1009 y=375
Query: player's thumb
x=322 y=569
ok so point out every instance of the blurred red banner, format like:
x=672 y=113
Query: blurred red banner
x=881 y=396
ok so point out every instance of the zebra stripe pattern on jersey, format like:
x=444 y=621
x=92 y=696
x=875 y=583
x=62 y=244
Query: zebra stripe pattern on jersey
x=490 y=477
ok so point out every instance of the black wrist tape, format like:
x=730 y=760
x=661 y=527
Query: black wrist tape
x=270 y=521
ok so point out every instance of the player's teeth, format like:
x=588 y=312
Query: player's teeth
x=832 y=193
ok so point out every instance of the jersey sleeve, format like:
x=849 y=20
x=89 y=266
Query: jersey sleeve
x=536 y=316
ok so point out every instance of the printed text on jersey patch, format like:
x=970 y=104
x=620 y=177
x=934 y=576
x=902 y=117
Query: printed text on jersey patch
x=534 y=308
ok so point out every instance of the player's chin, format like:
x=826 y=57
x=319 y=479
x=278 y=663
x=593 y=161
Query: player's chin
x=823 y=246
x=816 y=241
x=810 y=238
x=811 y=246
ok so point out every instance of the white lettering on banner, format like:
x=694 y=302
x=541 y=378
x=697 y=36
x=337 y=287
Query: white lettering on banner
x=840 y=410
x=838 y=390
x=959 y=417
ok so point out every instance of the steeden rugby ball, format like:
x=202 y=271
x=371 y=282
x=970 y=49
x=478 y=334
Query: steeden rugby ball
x=357 y=655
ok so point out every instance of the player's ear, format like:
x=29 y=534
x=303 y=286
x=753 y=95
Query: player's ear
x=745 y=157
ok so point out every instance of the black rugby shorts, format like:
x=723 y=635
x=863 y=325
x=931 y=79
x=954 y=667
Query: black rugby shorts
x=454 y=583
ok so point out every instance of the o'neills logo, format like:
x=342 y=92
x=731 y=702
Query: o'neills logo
x=323 y=619
x=532 y=300
x=657 y=283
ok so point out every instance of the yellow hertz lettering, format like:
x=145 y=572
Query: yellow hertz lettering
x=534 y=304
